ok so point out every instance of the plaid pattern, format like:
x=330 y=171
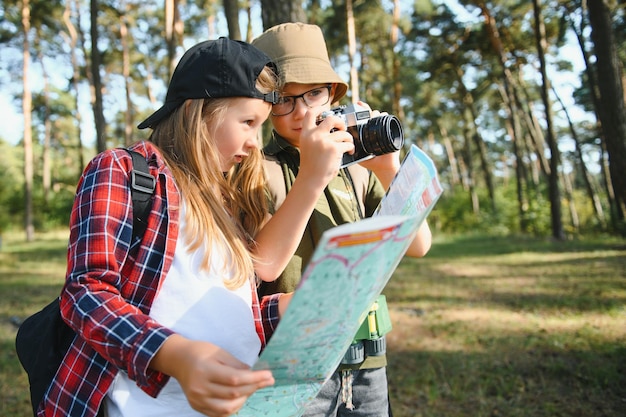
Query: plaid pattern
x=109 y=311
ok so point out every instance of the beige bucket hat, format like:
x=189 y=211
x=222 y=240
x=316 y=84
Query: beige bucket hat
x=299 y=51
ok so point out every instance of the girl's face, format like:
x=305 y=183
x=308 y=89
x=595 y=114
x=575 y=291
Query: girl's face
x=238 y=133
x=289 y=126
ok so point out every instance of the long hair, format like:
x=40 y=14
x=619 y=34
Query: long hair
x=224 y=211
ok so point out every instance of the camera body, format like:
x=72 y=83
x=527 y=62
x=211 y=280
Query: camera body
x=372 y=136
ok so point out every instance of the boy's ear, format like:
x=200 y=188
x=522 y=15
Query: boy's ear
x=333 y=93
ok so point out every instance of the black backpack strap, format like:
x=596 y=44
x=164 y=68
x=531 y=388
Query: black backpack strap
x=142 y=186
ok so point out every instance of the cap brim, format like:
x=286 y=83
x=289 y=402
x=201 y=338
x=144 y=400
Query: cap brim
x=159 y=115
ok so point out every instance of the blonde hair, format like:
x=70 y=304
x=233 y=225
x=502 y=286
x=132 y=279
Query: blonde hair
x=227 y=208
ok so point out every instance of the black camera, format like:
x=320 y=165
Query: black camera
x=372 y=136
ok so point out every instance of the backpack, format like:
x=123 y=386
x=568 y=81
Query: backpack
x=43 y=339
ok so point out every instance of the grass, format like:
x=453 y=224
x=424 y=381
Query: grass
x=483 y=326
x=31 y=274
x=510 y=327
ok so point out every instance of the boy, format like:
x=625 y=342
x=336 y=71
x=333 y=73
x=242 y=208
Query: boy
x=311 y=86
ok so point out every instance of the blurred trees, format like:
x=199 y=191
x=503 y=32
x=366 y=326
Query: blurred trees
x=474 y=83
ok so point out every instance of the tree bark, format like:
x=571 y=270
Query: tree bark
x=231 y=11
x=73 y=33
x=174 y=30
x=569 y=196
x=98 y=113
x=354 y=74
x=274 y=12
x=555 y=155
x=28 y=138
x=46 y=170
x=511 y=99
x=452 y=161
x=129 y=114
x=613 y=110
x=470 y=119
x=584 y=172
x=467 y=157
x=397 y=85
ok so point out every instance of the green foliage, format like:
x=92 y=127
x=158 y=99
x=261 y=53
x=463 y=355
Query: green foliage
x=451 y=83
x=11 y=186
x=453 y=214
x=56 y=211
x=51 y=211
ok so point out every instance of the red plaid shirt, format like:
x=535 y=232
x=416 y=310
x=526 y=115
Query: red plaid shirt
x=111 y=284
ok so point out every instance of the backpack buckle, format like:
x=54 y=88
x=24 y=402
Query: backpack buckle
x=142 y=182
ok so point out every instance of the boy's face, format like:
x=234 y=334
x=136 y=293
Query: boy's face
x=318 y=97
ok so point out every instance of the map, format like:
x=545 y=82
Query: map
x=337 y=289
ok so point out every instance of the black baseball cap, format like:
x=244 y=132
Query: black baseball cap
x=212 y=69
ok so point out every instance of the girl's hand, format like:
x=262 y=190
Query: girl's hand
x=214 y=382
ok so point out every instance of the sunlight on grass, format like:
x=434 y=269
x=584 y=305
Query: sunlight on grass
x=482 y=326
x=535 y=332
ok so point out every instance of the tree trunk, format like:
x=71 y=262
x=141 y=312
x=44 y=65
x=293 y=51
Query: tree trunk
x=595 y=98
x=470 y=120
x=533 y=127
x=98 y=113
x=584 y=172
x=354 y=74
x=231 y=11
x=129 y=115
x=567 y=187
x=174 y=30
x=397 y=85
x=170 y=6
x=67 y=18
x=553 y=178
x=249 y=33
x=511 y=99
x=467 y=157
x=28 y=138
x=613 y=111
x=46 y=170
x=454 y=166
x=274 y=12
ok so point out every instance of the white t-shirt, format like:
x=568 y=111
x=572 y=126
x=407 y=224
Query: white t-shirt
x=197 y=305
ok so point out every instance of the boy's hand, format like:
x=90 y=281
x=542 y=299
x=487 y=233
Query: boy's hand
x=322 y=147
x=384 y=166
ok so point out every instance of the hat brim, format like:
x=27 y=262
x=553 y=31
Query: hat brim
x=304 y=70
x=160 y=114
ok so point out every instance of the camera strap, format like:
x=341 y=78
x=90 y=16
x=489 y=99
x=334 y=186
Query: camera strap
x=357 y=201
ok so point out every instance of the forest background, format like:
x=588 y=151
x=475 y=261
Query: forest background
x=471 y=81
x=517 y=310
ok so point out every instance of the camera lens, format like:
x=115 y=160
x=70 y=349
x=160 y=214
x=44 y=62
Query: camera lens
x=382 y=135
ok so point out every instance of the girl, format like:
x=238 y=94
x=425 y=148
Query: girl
x=169 y=323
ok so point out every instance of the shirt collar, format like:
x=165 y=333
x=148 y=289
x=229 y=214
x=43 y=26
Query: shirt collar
x=278 y=144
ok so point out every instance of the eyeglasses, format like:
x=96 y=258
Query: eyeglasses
x=318 y=96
